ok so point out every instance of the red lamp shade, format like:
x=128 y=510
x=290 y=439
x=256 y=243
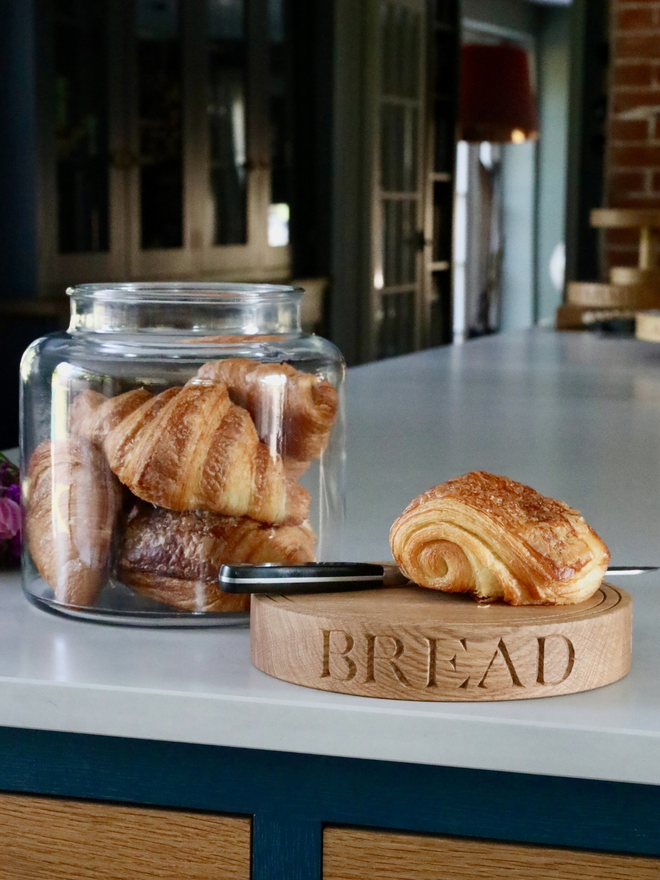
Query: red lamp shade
x=497 y=102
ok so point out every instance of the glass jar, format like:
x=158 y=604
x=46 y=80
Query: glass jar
x=171 y=429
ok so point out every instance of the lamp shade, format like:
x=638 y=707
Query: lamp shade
x=497 y=102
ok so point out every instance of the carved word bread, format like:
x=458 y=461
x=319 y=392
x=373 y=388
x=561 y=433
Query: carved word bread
x=176 y=557
x=293 y=412
x=498 y=539
x=72 y=505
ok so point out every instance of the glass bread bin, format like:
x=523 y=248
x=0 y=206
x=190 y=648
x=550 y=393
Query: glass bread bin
x=173 y=428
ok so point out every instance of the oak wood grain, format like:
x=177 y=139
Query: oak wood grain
x=356 y=854
x=414 y=644
x=588 y=294
x=61 y=839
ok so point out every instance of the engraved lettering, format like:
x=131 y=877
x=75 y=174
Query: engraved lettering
x=540 y=678
x=504 y=651
x=371 y=658
x=432 y=660
x=327 y=651
x=465 y=683
x=452 y=663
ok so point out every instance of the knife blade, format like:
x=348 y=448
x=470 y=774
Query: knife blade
x=332 y=577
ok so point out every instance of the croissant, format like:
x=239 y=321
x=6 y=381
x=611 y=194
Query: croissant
x=176 y=557
x=93 y=416
x=72 y=504
x=293 y=412
x=498 y=539
x=191 y=448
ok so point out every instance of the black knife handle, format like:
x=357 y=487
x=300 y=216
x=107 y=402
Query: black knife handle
x=311 y=577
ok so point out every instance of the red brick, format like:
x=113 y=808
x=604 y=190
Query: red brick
x=628 y=130
x=623 y=238
x=630 y=100
x=635 y=18
x=633 y=74
x=638 y=46
x=627 y=181
x=655 y=181
x=655 y=129
x=616 y=257
x=648 y=200
x=638 y=156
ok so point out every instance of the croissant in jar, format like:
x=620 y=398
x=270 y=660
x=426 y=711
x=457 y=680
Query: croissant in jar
x=293 y=411
x=191 y=448
x=72 y=504
x=93 y=416
x=498 y=539
x=175 y=558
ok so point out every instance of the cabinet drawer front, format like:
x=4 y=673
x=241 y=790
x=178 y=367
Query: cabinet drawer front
x=58 y=839
x=354 y=854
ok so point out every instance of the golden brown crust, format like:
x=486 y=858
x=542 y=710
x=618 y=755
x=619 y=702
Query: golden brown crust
x=496 y=538
x=293 y=411
x=93 y=416
x=185 y=595
x=191 y=448
x=176 y=557
x=71 y=508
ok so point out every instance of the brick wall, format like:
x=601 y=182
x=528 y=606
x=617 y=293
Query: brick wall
x=633 y=126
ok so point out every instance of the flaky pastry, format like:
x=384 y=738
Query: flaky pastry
x=176 y=557
x=293 y=411
x=71 y=508
x=191 y=448
x=498 y=539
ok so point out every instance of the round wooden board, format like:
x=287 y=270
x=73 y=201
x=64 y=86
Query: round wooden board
x=415 y=644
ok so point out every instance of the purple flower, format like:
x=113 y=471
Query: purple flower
x=10 y=519
x=14 y=493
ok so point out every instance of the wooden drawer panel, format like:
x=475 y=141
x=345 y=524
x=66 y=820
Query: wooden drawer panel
x=354 y=854
x=58 y=839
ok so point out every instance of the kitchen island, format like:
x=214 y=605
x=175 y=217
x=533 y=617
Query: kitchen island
x=305 y=783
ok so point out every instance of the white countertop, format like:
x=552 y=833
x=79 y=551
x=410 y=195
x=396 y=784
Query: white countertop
x=575 y=416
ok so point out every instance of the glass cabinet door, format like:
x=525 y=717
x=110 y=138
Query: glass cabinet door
x=157 y=220
x=244 y=140
x=398 y=164
x=80 y=190
x=164 y=132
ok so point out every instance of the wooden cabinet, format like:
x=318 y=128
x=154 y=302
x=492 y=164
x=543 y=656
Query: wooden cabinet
x=354 y=854
x=164 y=140
x=58 y=839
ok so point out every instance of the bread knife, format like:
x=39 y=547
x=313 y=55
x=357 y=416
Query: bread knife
x=332 y=577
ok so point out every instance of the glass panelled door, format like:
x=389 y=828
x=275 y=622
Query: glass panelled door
x=398 y=209
x=244 y=140
x=80 y=191
x=165 y=140
x=157 y=222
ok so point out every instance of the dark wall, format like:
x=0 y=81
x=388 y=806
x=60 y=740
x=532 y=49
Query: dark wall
x=311 y=28
x=586 y=135
x=18 y=155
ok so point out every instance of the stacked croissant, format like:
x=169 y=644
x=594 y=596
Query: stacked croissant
x=163 y=489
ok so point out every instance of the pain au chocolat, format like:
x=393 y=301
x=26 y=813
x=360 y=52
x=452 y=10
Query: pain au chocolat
x=175 y=558
x=498 y=539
